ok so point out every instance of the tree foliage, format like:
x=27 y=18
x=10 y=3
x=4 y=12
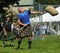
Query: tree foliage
x=6 y=3
x=53 y=2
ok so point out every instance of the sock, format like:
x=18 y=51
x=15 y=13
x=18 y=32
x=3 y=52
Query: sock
x=29 y=43
x=19 y=42
x=4 y=43
x=11 y=43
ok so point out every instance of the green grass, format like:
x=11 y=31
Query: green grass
x=49 y=45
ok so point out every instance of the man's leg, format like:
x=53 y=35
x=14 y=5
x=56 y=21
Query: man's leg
x=29 y=42
x=19 y=42
x=4 y=41
x=11 y=43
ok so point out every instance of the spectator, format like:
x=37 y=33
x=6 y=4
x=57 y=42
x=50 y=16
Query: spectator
x=7 y=31
x=43 y=30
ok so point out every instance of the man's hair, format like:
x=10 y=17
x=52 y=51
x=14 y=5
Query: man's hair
x=20 y=9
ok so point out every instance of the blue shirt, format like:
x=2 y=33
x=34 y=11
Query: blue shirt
x=24 y=17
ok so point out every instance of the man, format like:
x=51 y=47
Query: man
x=7 y=31
x=24 y=21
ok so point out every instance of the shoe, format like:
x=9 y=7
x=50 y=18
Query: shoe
x=29 y=47
x=11 y=44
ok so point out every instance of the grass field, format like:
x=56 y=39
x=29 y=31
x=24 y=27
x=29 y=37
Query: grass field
x=49 y=45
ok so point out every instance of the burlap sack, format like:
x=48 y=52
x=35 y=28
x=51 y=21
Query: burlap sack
x=51 y=10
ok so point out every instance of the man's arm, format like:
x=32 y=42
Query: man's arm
x=36 y=12
x=19 y=22
x=4 y=30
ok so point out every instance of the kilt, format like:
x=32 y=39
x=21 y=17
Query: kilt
x=26 y=31
x=9 y=36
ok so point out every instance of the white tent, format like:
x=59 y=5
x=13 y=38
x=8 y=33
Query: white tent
x=49 y=18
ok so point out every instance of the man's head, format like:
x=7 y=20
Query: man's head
x=20 y=9
x=7 y=19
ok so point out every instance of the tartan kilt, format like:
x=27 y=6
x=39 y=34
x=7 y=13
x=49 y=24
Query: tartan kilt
x=9 y=36
x=26 y=31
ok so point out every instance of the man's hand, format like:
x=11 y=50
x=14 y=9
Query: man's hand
x=20 y=23
x=17 y=28
x=25 y=25
x=5 y=34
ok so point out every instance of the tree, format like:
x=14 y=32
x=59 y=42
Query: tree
x=45 y=2
x=6 y=3
x=55 y=2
